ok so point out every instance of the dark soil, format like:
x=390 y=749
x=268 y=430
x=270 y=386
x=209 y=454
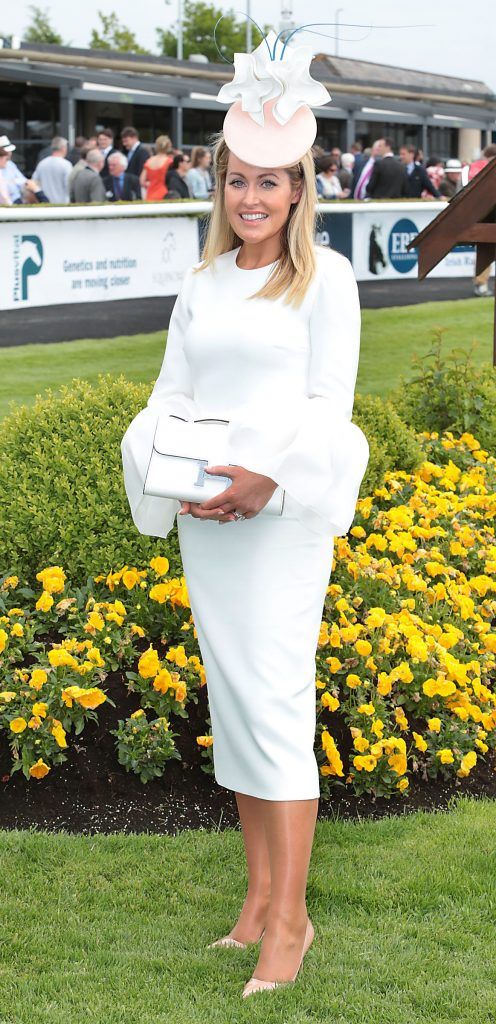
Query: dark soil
x=91 y=792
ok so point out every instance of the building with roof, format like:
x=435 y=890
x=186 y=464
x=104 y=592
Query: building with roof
x=47 y=90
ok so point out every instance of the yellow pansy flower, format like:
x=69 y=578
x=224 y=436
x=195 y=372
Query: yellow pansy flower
x=178 y=655
x=363 y=647
x=53 y=578
x=365 y=762
x=149 y=664
x=204 y=741
x=137 y=630
x=159 y=592
x=328 y=701
x=58 y=732
x=361 y=743
x=353 y=681
x=91 y=698
x=58 y=656
x=434 y=724
x=441 y=687
x=95 y=622
x=44 y=603
x=420 y=743
x=18 y=724
x=160 y=564
x=39 y=769
x=40 y=708
x=163 y=681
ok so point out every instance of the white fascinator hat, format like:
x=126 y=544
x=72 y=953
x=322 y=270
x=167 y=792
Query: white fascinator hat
x=270 y=122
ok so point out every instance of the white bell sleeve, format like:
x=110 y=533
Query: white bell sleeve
x=323 y=455
x=172 y=392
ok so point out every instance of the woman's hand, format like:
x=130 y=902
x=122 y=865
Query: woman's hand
x=248 y=493
x=194 y=509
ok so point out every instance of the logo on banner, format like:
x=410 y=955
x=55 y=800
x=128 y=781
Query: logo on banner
x=168 y=247
x=377 y=260
x=401 y=235
x=28 y=261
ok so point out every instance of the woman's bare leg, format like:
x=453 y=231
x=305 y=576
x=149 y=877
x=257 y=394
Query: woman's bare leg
x=289 y=830
x=253 y=914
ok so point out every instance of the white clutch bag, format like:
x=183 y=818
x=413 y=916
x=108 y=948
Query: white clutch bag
x=181 y=451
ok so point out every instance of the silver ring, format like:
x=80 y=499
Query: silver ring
x=238 y=515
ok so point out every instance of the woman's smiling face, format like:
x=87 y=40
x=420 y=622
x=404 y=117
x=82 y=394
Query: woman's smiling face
x=257 y=190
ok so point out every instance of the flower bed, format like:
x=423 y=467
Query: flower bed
x=406 y=661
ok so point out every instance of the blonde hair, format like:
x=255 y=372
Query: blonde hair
x=197 y=154
x=297 y=264
x=163 y=144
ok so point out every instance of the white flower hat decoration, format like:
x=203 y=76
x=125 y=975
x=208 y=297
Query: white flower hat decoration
x=269 y=122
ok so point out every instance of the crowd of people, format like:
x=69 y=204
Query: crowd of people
x=95 y=170
x=377 y=173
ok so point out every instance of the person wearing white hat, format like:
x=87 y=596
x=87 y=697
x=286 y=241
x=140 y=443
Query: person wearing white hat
x=13 y=180
x=452 y=181
x=6 y=144
x=265 y=334
x=5 y=199
x=14 y=185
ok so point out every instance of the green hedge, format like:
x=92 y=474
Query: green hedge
x=62 y=497
x=392 y=443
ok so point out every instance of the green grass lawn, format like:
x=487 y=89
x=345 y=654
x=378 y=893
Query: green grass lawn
x=113 y=929
x=389 y=339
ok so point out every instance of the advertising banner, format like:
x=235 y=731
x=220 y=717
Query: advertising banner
x=46 y=263
x=380 y=242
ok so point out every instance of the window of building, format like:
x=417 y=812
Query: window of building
x=198 y=125
x=442 y=142
x=330 y=133
x=367 y=132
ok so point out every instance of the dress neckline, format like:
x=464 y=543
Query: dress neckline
x=250 y=270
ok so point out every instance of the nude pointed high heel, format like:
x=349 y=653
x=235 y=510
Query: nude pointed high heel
x=228 y=940
x=259 y=984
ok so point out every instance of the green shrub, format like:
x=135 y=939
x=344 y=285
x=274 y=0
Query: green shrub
x=392 y=443
x=449 y=393
x=62 y=496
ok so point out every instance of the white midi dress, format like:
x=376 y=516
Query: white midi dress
x=285 y=380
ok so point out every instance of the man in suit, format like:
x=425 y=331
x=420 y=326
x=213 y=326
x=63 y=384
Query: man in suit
x=105 y=143
x=359 y=163
x=137 y=153
x=360 y=159
x=418 y=179
x=88 y=186
x=389 y=178
x=365 y=173
x=119 y=184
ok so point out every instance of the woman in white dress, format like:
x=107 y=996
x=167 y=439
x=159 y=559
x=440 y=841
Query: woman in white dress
x=265 y=333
